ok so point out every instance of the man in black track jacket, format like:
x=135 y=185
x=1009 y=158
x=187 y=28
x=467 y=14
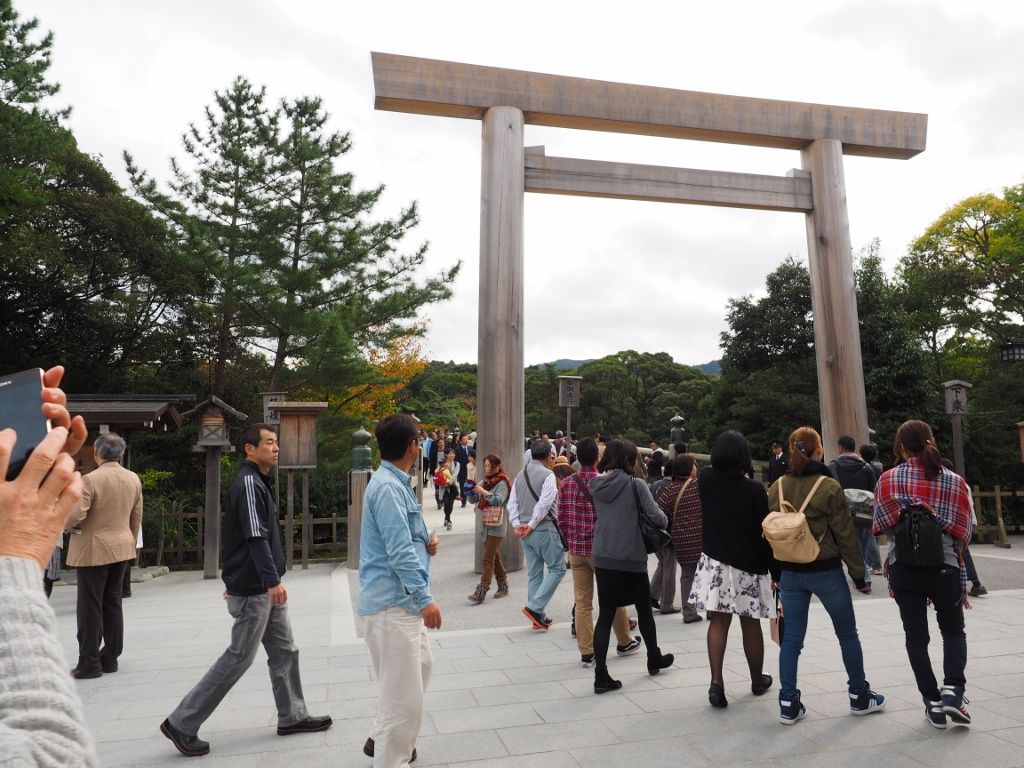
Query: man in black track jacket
x=253 y=566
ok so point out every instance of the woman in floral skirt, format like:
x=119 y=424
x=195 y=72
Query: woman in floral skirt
x=732 y=575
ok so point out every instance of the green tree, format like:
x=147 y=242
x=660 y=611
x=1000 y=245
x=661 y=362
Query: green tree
x=31 y=139
x=768 y=384
x=965 y=275
x=220 y=209
x=293 y=266
x=895 y=364
x=85 y=274
x=340 y=278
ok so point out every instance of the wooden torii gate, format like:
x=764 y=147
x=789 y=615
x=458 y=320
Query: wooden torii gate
x=504 y=100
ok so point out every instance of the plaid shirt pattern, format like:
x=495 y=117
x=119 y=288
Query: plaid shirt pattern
x=576 y=513
x=947 y=496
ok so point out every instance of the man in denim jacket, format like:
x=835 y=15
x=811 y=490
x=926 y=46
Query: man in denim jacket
x=394 y=593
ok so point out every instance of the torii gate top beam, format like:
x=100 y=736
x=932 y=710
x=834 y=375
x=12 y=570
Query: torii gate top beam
x=451 y=89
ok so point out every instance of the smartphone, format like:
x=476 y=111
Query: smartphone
x=21 y=410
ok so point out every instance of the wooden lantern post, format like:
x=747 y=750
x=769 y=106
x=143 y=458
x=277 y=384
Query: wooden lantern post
x=956 y=409
x=297 y=438
x=213 y=441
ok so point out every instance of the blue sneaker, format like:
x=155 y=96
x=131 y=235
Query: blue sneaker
x=866 y=702
x=935 y=714
x=790 y=709
x=953 y=701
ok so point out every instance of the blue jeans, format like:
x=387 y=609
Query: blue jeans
x=543 y=548
x=831 y=589
x=872 y=555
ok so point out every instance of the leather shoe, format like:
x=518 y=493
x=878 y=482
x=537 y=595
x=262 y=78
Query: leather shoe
x=369 y=745
x=306 y=725
x=670 y=609
x=81 y=674
x=693 y=620
x=189 y=746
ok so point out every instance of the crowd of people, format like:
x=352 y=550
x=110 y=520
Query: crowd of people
x=583 y=506
x=596 y=508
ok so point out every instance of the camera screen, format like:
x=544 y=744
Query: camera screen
x=20 y=410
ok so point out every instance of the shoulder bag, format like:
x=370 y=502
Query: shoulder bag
x=655 y=538
x=550 y=516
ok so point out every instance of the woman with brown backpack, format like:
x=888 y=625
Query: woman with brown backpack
x=812 y=565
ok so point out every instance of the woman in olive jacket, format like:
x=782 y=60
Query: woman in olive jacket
x=831 y=525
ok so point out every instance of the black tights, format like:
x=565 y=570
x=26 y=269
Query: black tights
x=606 y=615
x=718 y=636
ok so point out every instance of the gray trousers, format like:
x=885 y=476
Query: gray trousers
x=663 y=583
x=256 y=621
x=686 y=574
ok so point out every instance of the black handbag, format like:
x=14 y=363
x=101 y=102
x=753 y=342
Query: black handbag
x=655 y=538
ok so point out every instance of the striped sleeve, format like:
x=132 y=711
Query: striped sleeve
x=254 y=509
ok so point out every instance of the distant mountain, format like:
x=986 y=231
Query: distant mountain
x=714 y=368
x=564 y=365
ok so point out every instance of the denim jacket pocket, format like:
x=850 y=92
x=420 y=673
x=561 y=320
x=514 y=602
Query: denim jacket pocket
x=417 y=525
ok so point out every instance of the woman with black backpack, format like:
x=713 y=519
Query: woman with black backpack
x=925 y=510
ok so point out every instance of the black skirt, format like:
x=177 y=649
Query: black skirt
x=618 y=588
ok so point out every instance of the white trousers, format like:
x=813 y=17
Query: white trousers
x=401 y=656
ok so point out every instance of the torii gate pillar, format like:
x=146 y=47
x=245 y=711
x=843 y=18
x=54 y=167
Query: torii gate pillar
x=834 y=299
x=500 y=396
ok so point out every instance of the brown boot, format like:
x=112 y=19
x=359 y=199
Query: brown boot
x=478 y=594
x=502 y=590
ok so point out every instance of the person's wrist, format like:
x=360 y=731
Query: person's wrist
x=20 y=571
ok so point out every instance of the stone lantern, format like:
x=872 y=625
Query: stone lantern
x=358 y=479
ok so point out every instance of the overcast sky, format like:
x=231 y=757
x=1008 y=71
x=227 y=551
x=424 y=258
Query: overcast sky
x=601 y=275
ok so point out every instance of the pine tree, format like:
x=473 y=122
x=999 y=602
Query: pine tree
x=341 y=284
x=219 y=206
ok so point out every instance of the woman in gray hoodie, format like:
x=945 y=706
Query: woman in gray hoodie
x=619 y=556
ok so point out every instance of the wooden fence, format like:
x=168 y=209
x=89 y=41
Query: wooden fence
x=174 y=537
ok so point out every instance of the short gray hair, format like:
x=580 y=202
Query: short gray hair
x=109 y=447
x=540 y=450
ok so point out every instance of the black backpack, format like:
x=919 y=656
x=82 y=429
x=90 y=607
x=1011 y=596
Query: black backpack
x=917 y=538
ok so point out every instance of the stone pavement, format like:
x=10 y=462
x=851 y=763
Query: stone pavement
x=503 y=694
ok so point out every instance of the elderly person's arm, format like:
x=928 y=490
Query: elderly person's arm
x=41 y=720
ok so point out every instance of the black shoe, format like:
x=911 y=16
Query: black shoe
x=655 y=604
x=760 y=686
x=978 y=590
x=189 y=746
x=671 y=609
x=108 y=669
x=657 y=663
x=693 y=620
x=82 y=674
x=603 y=682
x=306 y=725
x=368 y=750
x=716 y=696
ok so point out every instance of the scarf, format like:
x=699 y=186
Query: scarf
x=492 y=480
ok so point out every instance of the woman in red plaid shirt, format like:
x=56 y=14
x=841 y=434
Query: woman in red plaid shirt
x=922 y=480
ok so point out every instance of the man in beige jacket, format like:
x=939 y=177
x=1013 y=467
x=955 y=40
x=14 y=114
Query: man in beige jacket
x=104 y=528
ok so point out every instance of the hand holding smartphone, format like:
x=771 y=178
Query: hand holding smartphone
x=21 y=410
